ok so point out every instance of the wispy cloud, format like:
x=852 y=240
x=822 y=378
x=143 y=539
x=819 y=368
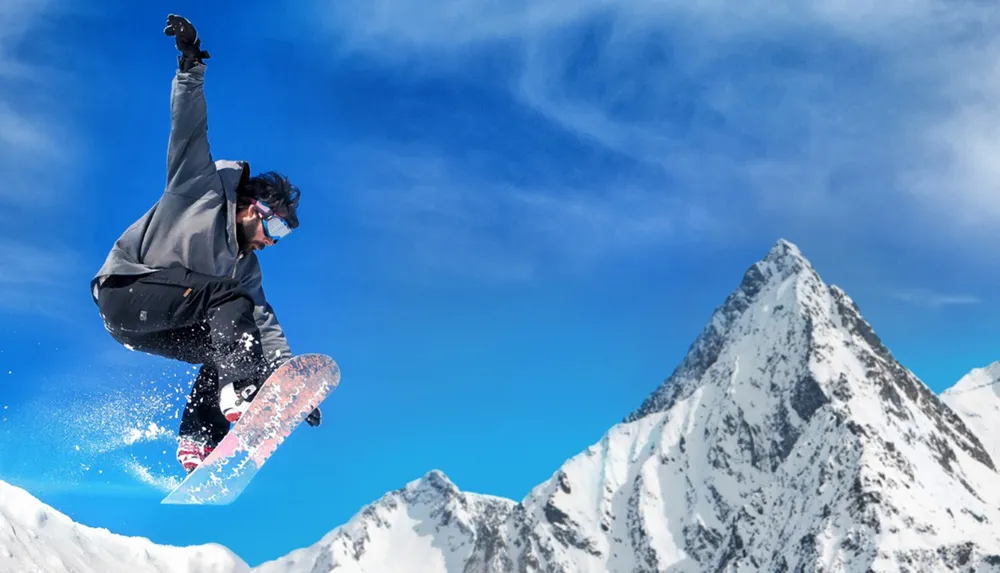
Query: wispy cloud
x=449 y=217
x=35 y=144
x=782 y=116
x=930 y=299
x=37 y=154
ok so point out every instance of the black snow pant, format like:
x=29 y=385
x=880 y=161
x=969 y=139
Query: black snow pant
x=199 y=319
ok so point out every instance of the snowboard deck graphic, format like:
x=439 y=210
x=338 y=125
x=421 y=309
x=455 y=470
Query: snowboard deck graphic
x=287 y=397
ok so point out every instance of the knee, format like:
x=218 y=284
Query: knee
x=242 y=305
x=235 y=308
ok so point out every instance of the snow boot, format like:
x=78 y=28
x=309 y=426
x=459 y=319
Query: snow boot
x=232 y=403
x=191 y=452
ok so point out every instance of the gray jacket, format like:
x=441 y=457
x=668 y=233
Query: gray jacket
x=193 y=224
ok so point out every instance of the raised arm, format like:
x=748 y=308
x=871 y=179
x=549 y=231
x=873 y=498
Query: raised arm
x=189 y=158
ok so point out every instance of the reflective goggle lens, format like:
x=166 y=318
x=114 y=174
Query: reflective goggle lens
x=274 y=226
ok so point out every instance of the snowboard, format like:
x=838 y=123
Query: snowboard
x=285 y=400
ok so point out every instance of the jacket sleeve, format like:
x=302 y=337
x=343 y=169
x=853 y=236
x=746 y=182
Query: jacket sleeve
x=190 y=168
x=273 y=341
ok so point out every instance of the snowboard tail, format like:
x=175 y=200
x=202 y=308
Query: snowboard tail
x=285 y=400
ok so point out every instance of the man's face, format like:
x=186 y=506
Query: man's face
x=250 y=231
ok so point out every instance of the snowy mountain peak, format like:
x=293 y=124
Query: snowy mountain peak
x=427 y=525
x=785 y=254
x=783 y=286
x=782 y=262
x=787 y=412
x=986 y=377
x=433 y=483
x=976 y=399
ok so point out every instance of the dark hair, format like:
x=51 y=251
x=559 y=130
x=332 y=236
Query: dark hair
x=274 y=189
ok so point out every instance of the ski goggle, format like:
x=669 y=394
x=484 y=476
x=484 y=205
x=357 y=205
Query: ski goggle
x=274 y=226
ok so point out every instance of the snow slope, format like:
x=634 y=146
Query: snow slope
x=976 y=399
x=788 y=439
x=35 y=538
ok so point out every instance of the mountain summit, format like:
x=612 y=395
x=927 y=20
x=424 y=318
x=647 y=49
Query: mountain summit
x=788 y=439
x=782 y=266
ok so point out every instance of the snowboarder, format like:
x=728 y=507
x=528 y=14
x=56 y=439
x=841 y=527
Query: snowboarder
x=184 y=281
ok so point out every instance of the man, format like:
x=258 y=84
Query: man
x=184 y=281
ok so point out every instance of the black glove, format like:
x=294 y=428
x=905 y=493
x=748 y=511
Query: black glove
x=188 y=43
x=314 y=418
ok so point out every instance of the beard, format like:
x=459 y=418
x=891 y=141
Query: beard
x=244 y=230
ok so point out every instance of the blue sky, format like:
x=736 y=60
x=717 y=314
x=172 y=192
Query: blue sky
x=515 y=219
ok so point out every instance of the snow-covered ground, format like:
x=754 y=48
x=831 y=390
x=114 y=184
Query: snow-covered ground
x=35 y=538
x=788 y=439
